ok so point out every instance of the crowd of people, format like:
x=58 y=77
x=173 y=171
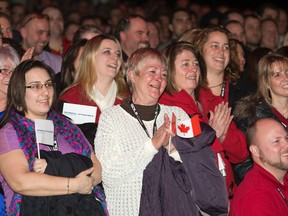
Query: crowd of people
x=114 y=79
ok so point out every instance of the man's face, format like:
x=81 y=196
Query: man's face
x=35 y=34
x=272 y=145
x=181 y=22
x=270 y=35
x=4 y=7
x=135 y=37
x=252 y=29
x=6 y=27
x=56 y=21
x=237 y=31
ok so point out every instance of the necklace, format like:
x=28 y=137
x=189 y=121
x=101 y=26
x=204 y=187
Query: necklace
x=216 y=85
x=284 y=114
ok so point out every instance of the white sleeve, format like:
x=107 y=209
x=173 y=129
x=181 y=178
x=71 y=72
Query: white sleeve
x=119 y=161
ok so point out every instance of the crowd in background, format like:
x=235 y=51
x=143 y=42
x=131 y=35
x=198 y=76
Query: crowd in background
x=138 y=64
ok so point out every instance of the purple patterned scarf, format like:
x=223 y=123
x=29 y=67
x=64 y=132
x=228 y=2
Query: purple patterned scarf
x=26 y=135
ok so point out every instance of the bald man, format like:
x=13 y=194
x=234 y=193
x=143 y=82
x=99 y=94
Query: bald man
x=264 y=190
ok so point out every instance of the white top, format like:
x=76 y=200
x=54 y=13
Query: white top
x=124 y=150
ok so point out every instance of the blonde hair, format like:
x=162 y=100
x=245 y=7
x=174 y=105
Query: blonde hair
x=86 y=75
x=265 y=70
x=138 y=59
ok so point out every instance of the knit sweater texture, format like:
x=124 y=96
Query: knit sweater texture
x=124 y=150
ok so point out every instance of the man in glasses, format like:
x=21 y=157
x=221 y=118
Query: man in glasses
x=35 y=32
x=264 y=190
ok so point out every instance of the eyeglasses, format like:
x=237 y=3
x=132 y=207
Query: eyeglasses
x=36 y=16
x=39 y=86
x=5 y=71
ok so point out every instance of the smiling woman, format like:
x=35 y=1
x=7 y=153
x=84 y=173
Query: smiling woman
x=99 y=80
x=31 y=181
x=136 y=156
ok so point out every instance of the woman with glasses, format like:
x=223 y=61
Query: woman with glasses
x=68 y=170
x=9 y=59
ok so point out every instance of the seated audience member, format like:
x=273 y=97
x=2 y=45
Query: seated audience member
x=36 y=183
x=99 y=80
x=70 y=65
x=35 y=33
x=264 y=190
x=137 y=169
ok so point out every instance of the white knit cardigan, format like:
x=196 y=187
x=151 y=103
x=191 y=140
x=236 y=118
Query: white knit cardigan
x=124 y=150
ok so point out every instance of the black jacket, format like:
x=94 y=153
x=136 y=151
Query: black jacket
x=68 y=165
x=174 y=188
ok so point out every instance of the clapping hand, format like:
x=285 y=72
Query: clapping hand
x=220 y=119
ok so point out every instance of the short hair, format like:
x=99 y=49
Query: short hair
x=31 y=16
x=171 y=17
x=17 y=87
x=225 y=16
x=8 y=52
x=138 y=59
x=265 y=71
x=84 y=29
x=264 y=6
x=124 y=24
x=171 y=53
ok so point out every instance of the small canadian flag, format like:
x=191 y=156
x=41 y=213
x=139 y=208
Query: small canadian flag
x=187 y=128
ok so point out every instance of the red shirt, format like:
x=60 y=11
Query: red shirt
x=76 y=95
x=186 y=102
x=258 y=195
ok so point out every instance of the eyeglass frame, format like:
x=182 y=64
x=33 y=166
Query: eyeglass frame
x=5 y=73
x=36 y=16
x=39 y=86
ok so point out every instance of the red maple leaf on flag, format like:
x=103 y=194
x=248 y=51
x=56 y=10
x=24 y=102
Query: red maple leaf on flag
x=183 y=128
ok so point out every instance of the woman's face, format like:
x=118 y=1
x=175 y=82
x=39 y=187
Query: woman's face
x=6 y=70
x=108 y=59
x=278 y=81
x=39 y=97
x=216 y=52
x=150 y=83
x=187 y=71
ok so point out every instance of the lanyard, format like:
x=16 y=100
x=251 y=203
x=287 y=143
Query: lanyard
x=223 y=90
x=140 y=120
